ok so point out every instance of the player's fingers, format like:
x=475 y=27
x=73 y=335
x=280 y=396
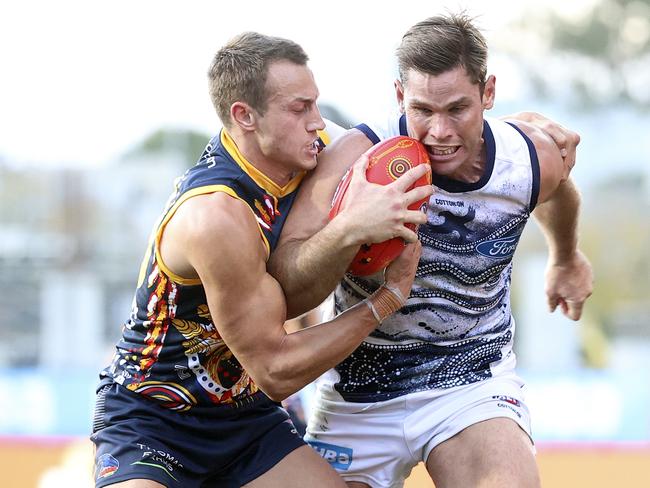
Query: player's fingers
x=412 y=249
x=567 y=141
x=558 y=135
x=359 y=168
x=573 y=309
x=402 y=270
x=408 y=253
x=417 y=248
x=407 y=234
x=409 y=178
x=563 y=307
x=573 y=140
x=552 y=303
x=418 y=193
x=416 y=217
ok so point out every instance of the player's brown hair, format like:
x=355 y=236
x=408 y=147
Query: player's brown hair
x=441 y=43
x=239 y=70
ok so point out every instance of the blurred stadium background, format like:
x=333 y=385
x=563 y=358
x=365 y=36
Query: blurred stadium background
x=100 y=114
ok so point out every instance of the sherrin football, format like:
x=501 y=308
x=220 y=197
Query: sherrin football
x=387 y=161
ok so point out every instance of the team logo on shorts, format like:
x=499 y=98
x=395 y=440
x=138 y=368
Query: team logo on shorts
x=339 y=457
x=510 y=400
x=106 y=466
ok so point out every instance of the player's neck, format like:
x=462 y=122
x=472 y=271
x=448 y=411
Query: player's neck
x=472 y=171
x=250 y=150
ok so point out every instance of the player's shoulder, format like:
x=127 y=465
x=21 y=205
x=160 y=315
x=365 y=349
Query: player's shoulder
x=514 y=137
x=551 y=164
x=518 y=128
x=385 y=127
x=331 y=131
x=218 y=214
x=380 y=128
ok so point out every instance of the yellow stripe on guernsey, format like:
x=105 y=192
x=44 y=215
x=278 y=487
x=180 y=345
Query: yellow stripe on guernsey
x=202 y=190
x=258 y=177
x=324 y=136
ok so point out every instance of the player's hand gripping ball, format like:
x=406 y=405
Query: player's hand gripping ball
x=387 y=161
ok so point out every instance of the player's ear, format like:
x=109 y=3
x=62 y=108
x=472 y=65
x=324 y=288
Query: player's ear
x=243 y=116
x=489 y=90
x=399 y=93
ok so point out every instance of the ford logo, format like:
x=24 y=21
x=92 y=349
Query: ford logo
x=498 y=248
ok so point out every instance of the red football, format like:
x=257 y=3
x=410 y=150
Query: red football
x=388 y=160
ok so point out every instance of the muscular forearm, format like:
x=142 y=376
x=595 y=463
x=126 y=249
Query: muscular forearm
x=309 y=270
x=282 y=363
x=303 y=356
x=558 y=219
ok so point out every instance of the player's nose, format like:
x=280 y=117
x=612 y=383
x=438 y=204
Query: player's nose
x=316 y=121
x=439 y=127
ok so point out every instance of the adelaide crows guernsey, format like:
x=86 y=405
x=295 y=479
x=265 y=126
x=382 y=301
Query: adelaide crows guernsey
x=456 y=327
x=170 y=350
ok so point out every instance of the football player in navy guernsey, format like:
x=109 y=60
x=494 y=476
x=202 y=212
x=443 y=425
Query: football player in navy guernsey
x=436 y=382
x=191 y=397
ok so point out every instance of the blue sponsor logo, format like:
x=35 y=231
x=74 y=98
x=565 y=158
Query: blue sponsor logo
x=498 y=248
x=339 y=457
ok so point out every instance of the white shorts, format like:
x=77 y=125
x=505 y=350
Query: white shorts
x=380 y=443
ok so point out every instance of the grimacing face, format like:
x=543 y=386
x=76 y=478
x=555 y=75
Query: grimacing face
x=445 y=112
x=287 y=131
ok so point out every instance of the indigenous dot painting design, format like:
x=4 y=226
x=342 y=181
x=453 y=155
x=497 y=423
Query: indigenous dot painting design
x=398 y=166
x=457 y=326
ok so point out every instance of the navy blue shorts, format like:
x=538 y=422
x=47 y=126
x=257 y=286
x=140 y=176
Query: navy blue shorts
x=225 y=447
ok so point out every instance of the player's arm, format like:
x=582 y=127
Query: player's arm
x=311 y=256
x=569 y=279
x=312 y=253
x=565 y=139
x=216 y=237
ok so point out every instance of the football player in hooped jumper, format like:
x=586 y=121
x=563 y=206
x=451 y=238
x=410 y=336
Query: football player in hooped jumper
x=435 y=382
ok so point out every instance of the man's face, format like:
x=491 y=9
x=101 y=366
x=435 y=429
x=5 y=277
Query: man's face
x=445 y=112
x=287 y=130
